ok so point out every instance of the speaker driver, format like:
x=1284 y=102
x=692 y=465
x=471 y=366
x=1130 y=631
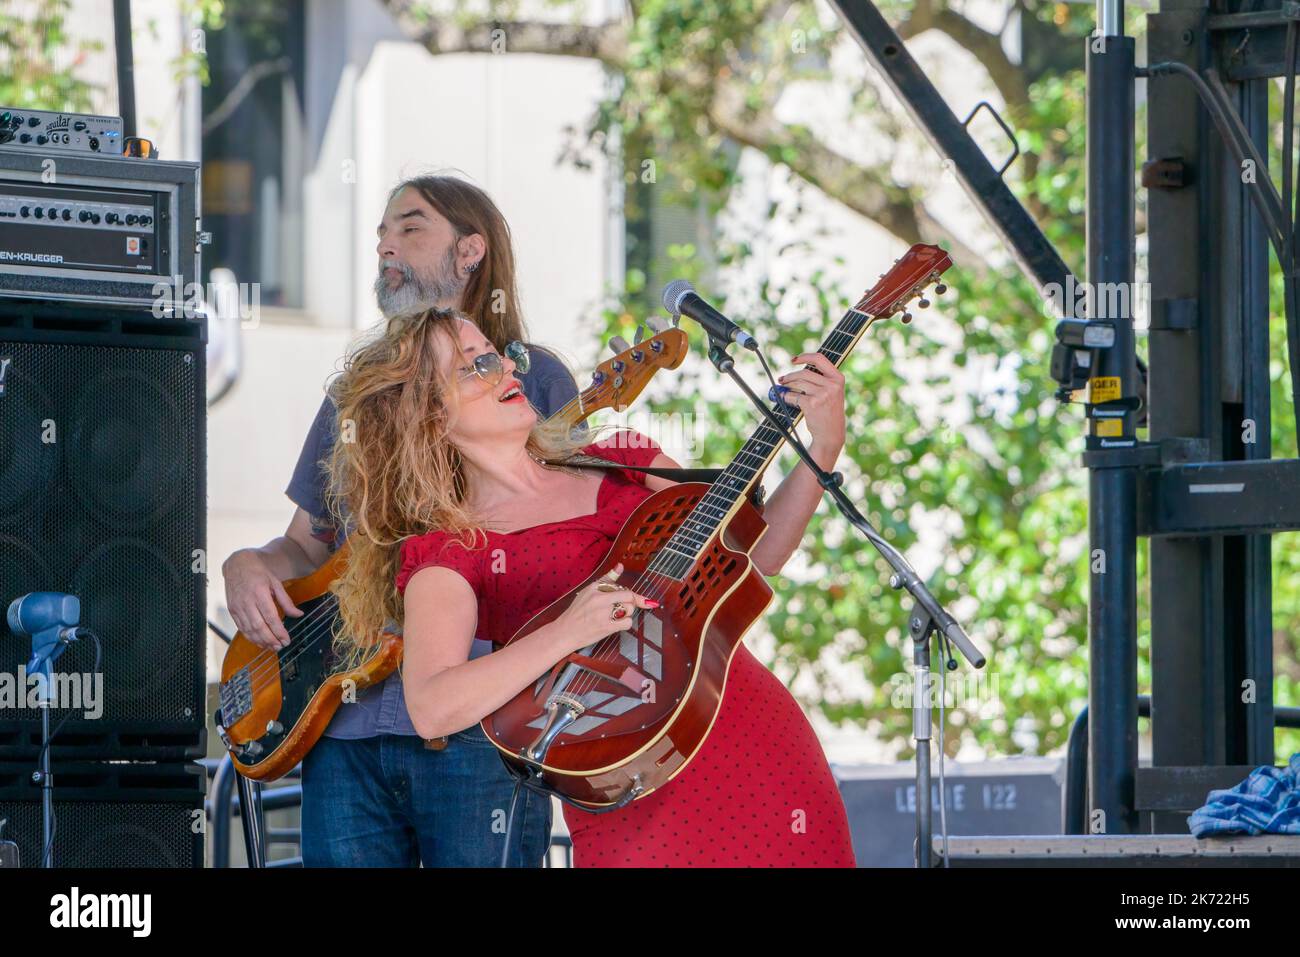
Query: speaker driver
x=135 y=600
x=126 y=452
x=27 y=461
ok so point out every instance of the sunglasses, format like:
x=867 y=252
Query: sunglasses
x=490 y=369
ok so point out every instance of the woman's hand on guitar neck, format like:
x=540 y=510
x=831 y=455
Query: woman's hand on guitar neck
x=819 y=393
x=591 y=614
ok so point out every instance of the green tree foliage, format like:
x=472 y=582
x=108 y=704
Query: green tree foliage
x=39 y=60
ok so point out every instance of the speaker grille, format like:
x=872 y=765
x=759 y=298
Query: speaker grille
x=107 y=834
x=102 y=496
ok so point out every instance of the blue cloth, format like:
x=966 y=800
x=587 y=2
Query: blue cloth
x=1267 y=802
x=382 y=709
x=387 y=801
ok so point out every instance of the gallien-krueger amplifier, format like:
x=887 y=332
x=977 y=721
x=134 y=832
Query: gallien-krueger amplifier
x=108 y=230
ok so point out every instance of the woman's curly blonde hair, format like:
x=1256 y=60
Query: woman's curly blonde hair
x=393 y=471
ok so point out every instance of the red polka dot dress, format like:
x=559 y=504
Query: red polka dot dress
x=758 y=793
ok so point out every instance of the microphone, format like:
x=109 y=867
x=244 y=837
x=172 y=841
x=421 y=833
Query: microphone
x=50 y=620
x=681 y=299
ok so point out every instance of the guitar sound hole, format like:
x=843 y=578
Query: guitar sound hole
x=712 y=567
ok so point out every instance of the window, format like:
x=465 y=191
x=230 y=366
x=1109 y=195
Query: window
x=253 y=147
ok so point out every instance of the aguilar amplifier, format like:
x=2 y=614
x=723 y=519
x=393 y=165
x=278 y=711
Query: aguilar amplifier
x=102 y=496
x=61 y=132
x=100 y=230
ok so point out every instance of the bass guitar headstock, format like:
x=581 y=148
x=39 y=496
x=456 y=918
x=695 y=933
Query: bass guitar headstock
x=616 y=382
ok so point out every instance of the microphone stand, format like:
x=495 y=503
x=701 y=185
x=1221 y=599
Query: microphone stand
x=927 y=617
x=43 y=775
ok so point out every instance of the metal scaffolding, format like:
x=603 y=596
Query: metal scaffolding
x=1202 y=485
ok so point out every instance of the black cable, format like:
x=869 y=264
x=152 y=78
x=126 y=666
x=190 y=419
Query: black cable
x=1242 y=148
x=1278 y=221
x=1291 y=204
x=219 y=632
x=1288 y=131
x=45 y=745
x=510 y=821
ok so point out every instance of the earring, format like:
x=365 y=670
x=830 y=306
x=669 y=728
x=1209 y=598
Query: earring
x=471 y=267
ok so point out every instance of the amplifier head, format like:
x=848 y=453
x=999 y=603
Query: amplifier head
x=102 y=230
x=60 y=132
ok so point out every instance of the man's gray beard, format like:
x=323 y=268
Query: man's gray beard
x=416 y=291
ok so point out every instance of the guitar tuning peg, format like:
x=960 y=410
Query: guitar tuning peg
x=940 y=289
x=618 y=345
x=657 y=324
x=638 y=335
x=907 y=317
x=923 y=303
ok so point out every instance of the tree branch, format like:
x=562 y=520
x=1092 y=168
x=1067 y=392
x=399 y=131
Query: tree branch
x=983 y=44
x=865 y=190
x=239 y=92
x=606 y=42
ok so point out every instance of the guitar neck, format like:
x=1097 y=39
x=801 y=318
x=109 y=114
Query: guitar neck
x=575 y=411
x=730 y=488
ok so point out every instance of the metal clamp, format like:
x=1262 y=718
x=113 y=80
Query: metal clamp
x=1015 y=146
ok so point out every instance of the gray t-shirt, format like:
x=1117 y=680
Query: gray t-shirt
x=382 y=709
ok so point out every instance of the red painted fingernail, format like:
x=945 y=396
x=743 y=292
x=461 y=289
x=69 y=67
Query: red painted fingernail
x=651 y=604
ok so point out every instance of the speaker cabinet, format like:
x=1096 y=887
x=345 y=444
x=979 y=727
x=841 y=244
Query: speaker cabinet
x=102 y=495
x=108 y=814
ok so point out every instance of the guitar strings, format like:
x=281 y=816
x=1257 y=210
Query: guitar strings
x=587 y=681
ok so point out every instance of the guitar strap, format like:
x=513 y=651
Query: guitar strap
x=707 y=476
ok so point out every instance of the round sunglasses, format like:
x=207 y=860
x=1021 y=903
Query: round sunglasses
x=488 y=366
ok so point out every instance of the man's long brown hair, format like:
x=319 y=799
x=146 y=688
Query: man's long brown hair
x=491 y=298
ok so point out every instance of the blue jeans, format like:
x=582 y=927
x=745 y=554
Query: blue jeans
x=388 y=801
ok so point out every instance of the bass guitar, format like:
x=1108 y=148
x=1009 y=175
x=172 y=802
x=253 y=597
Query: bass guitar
x=275 y=705
x=618 y=719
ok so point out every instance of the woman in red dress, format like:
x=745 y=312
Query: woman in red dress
x=506 y=534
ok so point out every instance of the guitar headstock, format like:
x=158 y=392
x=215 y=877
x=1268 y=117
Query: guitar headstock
x=616 y=382
x=916 y=269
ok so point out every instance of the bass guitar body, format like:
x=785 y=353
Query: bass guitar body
x=627 y=713
x=275 y=705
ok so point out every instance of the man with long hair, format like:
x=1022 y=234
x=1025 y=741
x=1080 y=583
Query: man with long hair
x=374 y=792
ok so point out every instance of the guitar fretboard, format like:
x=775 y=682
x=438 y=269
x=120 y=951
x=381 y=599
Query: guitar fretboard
x=678 y=555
